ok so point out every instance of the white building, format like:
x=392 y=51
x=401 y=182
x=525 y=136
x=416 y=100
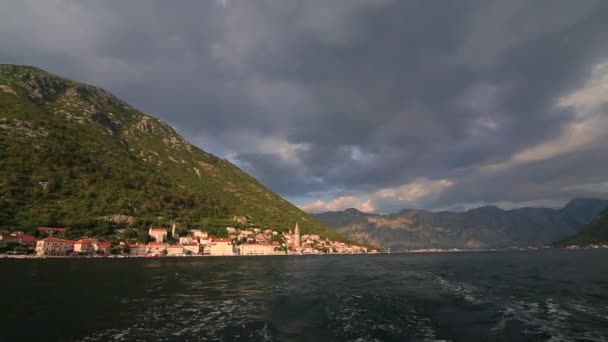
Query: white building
x=257 y=249
x=197 y=233
x=184 y=240
x=54 y=246
x=175 y=250
x=159 y=234
x=156 y=248
x=221 y=246
x=193 y=247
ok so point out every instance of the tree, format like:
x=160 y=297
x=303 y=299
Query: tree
x=182 y=231
x=144 y=237
x=163 y=252
x=278 y=238
x=126 y=249
x=131 y=233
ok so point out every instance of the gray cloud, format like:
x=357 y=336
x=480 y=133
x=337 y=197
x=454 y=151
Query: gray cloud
x=349 y=98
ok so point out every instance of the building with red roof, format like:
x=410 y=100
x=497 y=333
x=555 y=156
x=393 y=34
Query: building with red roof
x=217 y=239
x=54 y=246
x=137 y=249
x=8 y=238
x=156 y=248
x=257 y=249
x=103 y=246
x=260 y=238
x=192 y=247
x=175 y=250
x=85 y=246
x=221 y=246
x=28 y=241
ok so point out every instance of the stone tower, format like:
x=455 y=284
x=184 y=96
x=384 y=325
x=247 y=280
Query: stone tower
x=298 y=238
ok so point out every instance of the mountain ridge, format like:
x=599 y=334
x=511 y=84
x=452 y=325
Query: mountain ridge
x=482 y=227
x=90 y=155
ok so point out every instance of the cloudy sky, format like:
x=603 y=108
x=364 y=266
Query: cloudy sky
x=374 y=104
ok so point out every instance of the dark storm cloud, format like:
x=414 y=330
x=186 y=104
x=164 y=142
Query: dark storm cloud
x=351 y=98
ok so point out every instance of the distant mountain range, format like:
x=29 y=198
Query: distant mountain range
x=483 y=227
x=75 y=155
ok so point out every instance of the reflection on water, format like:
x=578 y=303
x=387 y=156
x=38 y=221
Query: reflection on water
x=522 y=296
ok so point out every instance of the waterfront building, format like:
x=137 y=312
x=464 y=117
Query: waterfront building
x=28 y=241
x=156 y=247
x=192 y=247
x=5 y=239
x=54 y=246
x=103 y=246
x=221 y=246
x=85 y=246
x=138 y=250
x=159 y=234
x=257 y=249
x=17 y=237
x=175 y=250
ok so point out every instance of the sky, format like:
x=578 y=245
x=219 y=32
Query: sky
x=378 y=105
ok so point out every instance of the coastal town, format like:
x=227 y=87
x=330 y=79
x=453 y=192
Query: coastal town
x=166 y=242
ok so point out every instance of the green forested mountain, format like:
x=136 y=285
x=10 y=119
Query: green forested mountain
x=596 y=232
x=74 y=155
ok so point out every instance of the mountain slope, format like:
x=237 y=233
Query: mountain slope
x=484 y=227
x=596 y=232
x=71 y=153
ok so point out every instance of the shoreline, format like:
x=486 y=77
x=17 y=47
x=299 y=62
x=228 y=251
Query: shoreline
x=6 y=256
x=421 y=251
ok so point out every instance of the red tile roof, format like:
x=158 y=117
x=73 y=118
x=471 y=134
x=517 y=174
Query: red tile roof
x=176 y=246
x=86 y=241
x=159 y=229
x=51 y=229
x=56 y=239
x=28 y=238
x=258 y=244
x=156 y=243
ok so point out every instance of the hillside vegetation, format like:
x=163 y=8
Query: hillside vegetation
x=596 y=232
x=75 y=155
